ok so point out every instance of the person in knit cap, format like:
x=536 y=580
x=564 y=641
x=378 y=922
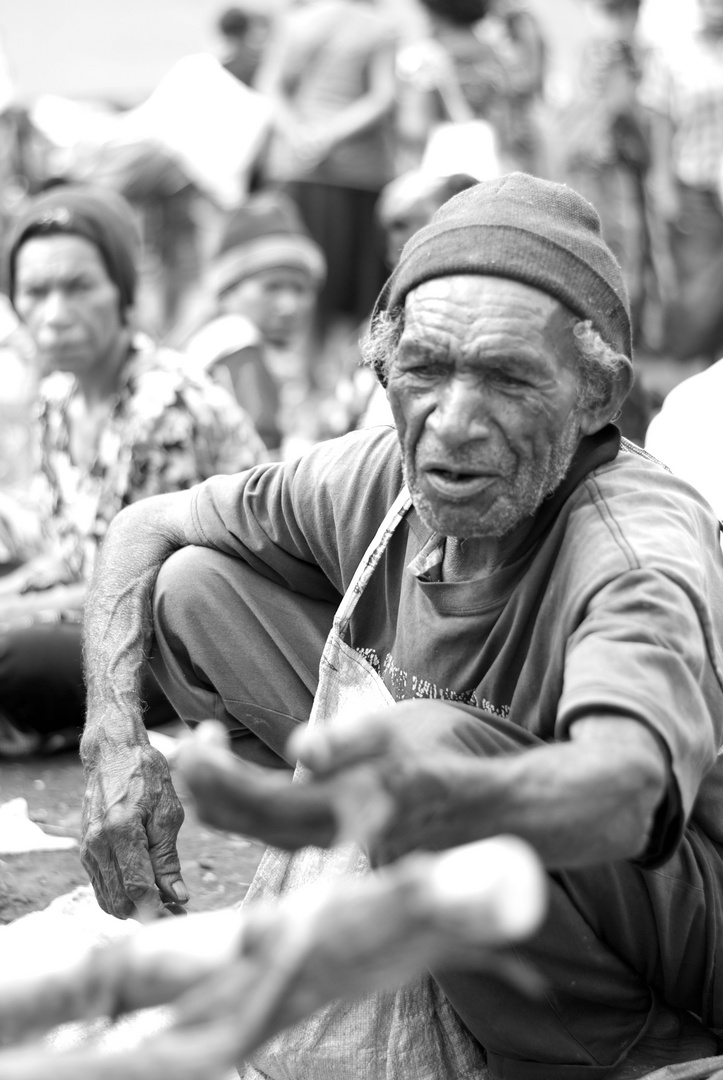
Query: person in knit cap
x=263 y=284
x=521 y=621
x=118 y=419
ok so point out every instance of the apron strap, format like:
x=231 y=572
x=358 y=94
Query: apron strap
x=371 y=558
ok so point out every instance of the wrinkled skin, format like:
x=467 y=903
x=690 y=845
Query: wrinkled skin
x=131 y=820
x=484 y=391
x=405 y=779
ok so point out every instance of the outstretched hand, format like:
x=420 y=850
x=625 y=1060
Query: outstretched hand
x=239 y=797
x=131 y=819
x=371 y=782
x=390 y=780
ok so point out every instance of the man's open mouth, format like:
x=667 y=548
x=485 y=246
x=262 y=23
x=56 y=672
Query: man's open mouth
x=450 y=483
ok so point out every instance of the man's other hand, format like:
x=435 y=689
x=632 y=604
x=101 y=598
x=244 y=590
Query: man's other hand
x=391 y=777
x=131 y=819
x=372 y=783
x=241 y=797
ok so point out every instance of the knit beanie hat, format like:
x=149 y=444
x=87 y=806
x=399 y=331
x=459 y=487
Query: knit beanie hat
x=534 y=231
x=96 y=213
x=265 y=233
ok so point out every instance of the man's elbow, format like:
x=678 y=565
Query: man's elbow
x=157 y=515
x=646 y=786
x=634 y=771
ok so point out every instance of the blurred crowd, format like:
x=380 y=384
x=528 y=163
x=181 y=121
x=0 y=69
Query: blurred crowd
x=184 y=292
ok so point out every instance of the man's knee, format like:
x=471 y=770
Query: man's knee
x=470 y=731
x=186 y=585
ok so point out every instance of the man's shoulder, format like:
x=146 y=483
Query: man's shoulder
x=635 y=478
x=633 y=512
x=355 y=463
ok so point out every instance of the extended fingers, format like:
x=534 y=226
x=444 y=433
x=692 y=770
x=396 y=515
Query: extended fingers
x=344 y=743
x=166 y=864
x=232 y=794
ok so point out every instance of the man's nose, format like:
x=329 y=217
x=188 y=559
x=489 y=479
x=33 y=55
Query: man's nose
x=461 y=413
x=289 y=302
x=286 y=304
x=56 y=308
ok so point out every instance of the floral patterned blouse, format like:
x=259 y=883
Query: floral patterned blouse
x=170 y=428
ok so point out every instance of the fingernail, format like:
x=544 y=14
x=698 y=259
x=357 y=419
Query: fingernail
x=180 y=892
x=174 y=909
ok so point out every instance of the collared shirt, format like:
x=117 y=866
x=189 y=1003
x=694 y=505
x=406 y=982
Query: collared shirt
x=168 y=428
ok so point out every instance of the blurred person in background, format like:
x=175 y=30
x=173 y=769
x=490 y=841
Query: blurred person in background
x=329 y=70
x=481 y=59
x=682 y=87
x=405 y=205
x=264 y=282
x=243 y=34
x=165 y=202
x=408 y=202
x=605 y=149
x=119 y=419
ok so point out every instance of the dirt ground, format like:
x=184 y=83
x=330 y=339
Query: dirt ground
x=217 y=867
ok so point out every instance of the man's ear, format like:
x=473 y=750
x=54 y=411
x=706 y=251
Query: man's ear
x=594 y=418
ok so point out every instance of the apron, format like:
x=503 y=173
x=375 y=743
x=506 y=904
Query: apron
x=408 y=1034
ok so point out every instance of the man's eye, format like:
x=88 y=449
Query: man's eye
x=421 y=369
x=508 y=380
x=32 y=292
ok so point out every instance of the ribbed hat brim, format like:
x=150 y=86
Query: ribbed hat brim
x=267 y=253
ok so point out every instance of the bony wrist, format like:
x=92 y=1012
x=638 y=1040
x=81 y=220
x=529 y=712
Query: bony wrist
x=101 y=741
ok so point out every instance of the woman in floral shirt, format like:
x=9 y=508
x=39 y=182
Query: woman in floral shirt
x=169 y=428
x=119 y=419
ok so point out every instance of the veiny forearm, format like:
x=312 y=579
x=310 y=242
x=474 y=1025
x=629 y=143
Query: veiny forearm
x=586 y=801
x=118 y=617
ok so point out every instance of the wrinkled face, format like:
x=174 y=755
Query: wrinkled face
x=483 y=390
x=69 y=304
x=279 y=302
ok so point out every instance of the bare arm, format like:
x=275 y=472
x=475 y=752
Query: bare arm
x=589 y=800
x=131 y=815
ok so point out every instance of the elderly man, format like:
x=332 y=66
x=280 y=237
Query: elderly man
x=528 y=628
x=119 y=419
